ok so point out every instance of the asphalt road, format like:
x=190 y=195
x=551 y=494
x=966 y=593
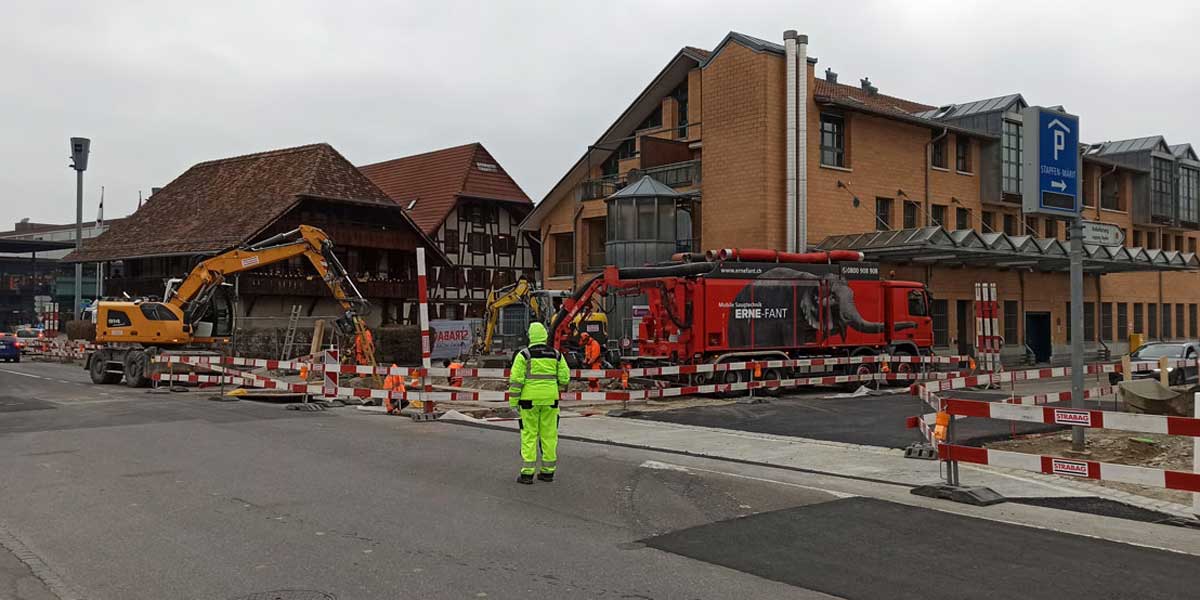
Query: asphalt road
x=124 y=494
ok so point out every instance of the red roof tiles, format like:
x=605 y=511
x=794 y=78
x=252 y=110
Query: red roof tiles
x=436 y=180
x=825 y=89
x=218 y=204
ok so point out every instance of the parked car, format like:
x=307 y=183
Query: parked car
x=1156 y=350
x=9 y=351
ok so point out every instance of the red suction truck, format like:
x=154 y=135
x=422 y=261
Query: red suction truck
x=735 y=305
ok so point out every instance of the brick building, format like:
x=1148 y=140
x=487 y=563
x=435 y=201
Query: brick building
x=866 y=161
x=465 y=201
x=220 y=204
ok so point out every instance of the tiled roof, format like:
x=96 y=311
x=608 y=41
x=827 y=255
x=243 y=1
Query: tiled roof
x=827 y=90
x=218 y=204
x=436 y=180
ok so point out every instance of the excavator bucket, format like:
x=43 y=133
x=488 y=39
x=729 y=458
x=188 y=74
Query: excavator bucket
x=345 y=325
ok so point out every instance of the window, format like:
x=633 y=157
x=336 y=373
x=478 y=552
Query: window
x=1192 y=333
x=502 y=277
x=1106 y=322
x=504 y=244
x=1137 y=238
x=627 y=149
x=1138 y=309
x=1189 y=194
x=451 y=243
x=1179 y=321
x=477 y=278
x=1051 y=228
x=962 y=218
x=916 y=304
x=1179 y=243
x=962 y=154
x=1151 y=240
x=478 y=242
x=939 y=215
x=646 y=229
x=595 y=242
x=1010 y=322
x=1031 y=224
x=1161 y=201
x=941 y=322
x=1011 y=155
x=654 y=121
x=564 y=254
x=937 y=152
x=1166 y=321
x=118 y=318
x=883 y=214
x=157 y=312
x=1010 y=225
x=1152 y=320
x=989 y=221
x=480 y=214
x=910 y=214
x=833 y=140
x=681 y=100
x=1122 y=321
x=1192 y=245
x=1110 y=192
x=1089 y=321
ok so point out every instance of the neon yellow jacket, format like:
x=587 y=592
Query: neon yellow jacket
x=539 y=373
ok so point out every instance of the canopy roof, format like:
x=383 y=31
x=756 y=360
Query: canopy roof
x=966 y=247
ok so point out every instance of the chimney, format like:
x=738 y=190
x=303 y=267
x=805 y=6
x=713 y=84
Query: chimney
x=867 y=87
x=154 y=190
x=830 y=76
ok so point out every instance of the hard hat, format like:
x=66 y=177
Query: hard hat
x=584 y=336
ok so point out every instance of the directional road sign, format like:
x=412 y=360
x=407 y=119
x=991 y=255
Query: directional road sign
x=1051 y=162
x=1102 y=234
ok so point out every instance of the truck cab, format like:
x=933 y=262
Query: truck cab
x=907 y=315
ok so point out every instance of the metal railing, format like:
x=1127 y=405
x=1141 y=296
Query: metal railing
x=563 y=268
x=679 y=174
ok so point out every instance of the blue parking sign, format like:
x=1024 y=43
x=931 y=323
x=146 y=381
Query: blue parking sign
x=1051 y=162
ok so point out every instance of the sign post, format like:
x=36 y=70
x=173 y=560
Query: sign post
x=1051 y=170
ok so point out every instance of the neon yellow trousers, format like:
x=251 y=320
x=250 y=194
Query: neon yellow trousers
x=539 y=424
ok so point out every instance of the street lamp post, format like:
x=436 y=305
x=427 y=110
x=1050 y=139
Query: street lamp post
x=79 y=159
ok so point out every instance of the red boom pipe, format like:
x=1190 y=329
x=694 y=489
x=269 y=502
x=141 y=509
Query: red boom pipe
x=758 y=255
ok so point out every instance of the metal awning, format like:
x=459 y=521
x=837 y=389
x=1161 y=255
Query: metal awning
x=23 y=246
x=966 y=247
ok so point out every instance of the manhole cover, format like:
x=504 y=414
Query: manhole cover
x=289 y=595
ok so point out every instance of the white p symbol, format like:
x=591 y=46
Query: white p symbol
x=1060 y=142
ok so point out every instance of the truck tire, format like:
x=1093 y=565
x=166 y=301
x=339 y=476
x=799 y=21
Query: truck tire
x=136 y=369
x=99 y=370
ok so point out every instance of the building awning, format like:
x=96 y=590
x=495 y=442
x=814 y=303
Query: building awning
x=966 y=247
x=19 y=246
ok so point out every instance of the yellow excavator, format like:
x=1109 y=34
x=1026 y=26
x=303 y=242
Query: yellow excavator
x=129 y=331
x=539 y=305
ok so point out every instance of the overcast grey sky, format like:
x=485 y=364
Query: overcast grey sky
x=161 y=85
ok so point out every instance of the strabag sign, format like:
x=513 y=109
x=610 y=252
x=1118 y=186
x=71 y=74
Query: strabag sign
x=452 y=338
x=1064 y=416
x=1070 y=468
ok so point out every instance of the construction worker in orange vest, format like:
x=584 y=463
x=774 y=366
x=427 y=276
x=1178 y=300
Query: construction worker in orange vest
x=591 y=358
x=394 y=383
x=364 y=346
x=454 y=378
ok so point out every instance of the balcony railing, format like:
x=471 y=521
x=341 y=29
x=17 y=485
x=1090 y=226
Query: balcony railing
x=681 y=174
x=564 y=268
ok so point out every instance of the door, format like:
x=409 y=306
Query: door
x=966 y=341
x=1037 y=335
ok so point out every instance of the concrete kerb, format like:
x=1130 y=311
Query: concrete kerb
x=37 y=566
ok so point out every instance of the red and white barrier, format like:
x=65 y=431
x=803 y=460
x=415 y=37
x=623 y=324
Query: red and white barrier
x=1085 y=469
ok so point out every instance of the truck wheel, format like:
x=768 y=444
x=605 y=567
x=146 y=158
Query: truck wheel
x=99 y=370
x=772 y=375
x=135 y=370
x=862 y=369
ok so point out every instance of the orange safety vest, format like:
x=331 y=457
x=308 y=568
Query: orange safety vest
x=591 y=352
x=363 y=343
x=393 y=383
x=456 y=380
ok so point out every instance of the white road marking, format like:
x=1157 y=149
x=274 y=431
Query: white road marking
x=654 y=464
x=22 y=374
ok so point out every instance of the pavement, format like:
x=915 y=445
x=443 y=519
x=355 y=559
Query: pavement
x=113 y=493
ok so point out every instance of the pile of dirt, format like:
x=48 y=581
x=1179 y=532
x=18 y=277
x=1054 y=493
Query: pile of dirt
x=1120 y=447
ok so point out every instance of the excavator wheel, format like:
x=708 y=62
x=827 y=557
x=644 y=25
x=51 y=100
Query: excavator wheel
x=99 y=370
x=136 y=367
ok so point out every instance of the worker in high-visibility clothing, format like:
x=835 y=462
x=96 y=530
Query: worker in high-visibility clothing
x=591 y=358
x=539 y=373
x=394 y=383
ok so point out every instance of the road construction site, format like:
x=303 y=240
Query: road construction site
x=125 y=492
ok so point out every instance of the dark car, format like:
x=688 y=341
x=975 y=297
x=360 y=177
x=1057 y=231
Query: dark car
x=9 y=350
x=1155 y=350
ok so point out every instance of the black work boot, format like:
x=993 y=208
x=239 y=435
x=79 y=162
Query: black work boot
x=547 y=477
x=525 y=478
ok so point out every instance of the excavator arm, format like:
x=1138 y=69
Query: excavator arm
x=496 y=301
x=192 y=296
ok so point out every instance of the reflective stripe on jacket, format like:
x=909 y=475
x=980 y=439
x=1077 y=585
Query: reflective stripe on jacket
x=538 y=374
